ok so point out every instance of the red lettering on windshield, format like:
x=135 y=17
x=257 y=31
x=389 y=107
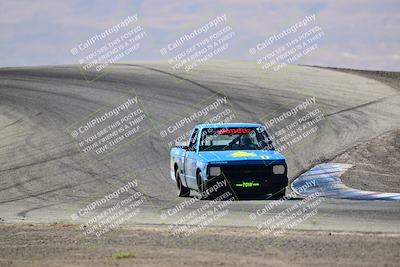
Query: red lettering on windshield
x=233 y=131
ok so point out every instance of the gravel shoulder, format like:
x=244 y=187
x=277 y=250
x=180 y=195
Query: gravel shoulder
x=62 y=245
x=376 y=164
x=390 y=78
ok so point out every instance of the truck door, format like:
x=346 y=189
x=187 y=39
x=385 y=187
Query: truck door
x=190 y=162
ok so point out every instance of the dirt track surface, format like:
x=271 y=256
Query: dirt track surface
x=61 y=245
x=376 y=162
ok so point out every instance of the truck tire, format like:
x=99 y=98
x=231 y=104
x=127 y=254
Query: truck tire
x=183 y=191
x=280 y=194
x=202 y=187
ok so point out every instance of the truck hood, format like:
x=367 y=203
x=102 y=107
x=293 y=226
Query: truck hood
x=233 y=156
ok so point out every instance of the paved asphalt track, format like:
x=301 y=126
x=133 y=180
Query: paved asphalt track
x=44 y=178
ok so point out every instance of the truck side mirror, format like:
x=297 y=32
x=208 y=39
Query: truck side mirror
x=181 y=144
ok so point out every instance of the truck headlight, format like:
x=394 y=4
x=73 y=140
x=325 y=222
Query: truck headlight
x=278 y=169
x=215 y=171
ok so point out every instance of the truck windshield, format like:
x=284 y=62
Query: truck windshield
x=219 y=139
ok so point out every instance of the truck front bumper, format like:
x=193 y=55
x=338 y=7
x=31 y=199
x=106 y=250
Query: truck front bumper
x=248 y=180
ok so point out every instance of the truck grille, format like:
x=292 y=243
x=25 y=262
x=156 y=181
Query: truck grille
x=247 y=171
x=251 y=179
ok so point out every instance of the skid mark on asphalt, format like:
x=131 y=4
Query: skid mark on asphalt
x=213 y=91
x=361 y=105
x=325 y=178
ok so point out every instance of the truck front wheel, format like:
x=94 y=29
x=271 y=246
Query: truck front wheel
x=183 y=191
x=201 y=187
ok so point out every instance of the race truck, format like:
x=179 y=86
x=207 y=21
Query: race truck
x=240 y=156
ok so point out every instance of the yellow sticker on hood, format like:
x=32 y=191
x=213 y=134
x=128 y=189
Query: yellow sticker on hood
x=241 y=154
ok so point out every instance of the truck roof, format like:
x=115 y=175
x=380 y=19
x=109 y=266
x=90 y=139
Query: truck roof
x=229 y=125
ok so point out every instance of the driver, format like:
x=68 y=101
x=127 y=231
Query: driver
x=246 y=142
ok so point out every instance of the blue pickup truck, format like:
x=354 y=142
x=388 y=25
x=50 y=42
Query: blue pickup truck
x=239 y=155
